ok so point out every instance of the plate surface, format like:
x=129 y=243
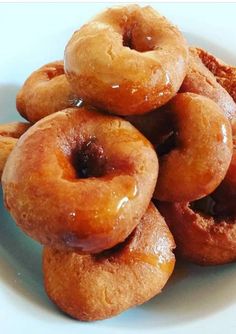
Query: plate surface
x=196 y=299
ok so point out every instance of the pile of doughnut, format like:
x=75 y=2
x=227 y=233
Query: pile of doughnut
x=128 y=149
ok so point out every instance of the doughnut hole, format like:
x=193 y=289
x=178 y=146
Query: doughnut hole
x=90 y=160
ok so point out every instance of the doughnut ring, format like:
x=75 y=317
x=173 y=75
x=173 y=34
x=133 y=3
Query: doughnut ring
x=45 y=92
x=201 y=130
x=127 y=60
x=9 y=134
x=201 y=238
x=81 y=179
x=200 y=80
x=95 y=287
x=224 y=74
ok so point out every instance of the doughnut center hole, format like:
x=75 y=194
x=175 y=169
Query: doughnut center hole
x=127 y=38
x=137 y=37
x=167 y=145
x=89 y=160
x=210 y=207
x=205 y=205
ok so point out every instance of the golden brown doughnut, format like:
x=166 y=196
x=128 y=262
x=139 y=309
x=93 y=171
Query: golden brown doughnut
x=127 y=60
x=224 y=73
x=201 y=238
x=80 y=179
x=9 y=134
x=202 y=149
x=93 y=287
x=44 y=92
x=200 y=80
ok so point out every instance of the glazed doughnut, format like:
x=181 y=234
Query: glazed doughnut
x=202 y=238
x=224 y=74
x=93 y=287
x=45 y=92
x=80 y=179
x=127 y=60
x=201 y=81
x=201 y=150
x=9 y=134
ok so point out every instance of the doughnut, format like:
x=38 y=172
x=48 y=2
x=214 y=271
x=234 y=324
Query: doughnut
x=9 y=134
x=201 y=150
x=201 y=80
x=127 y=60
x=95 y=287
x=224 y=74
x=45 y=92
x=80 y=179
x=201 y=238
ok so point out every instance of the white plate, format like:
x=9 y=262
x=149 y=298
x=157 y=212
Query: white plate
x=196 y=298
